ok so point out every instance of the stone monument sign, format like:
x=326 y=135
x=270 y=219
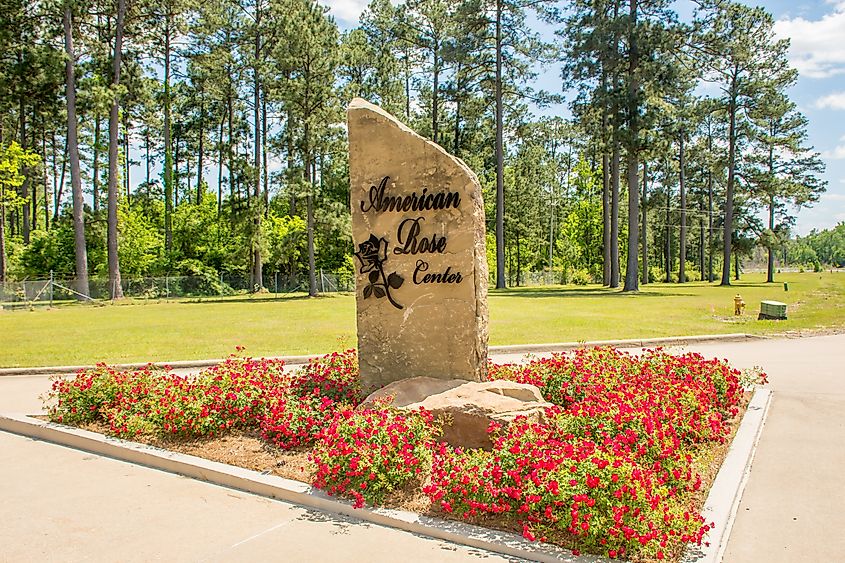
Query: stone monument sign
x=419 y=239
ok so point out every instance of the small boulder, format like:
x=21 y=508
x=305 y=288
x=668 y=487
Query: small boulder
x=467 y=408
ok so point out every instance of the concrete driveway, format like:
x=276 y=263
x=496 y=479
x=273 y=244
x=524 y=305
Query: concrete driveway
x=62 y=504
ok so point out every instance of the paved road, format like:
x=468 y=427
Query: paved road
x=62 y=504
x=792 y=507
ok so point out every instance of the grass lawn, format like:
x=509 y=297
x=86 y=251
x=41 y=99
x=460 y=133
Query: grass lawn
x=138 y=331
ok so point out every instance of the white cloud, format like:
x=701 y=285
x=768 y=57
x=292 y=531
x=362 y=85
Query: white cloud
x=837 y=153
x=816 y=46
x=346 y=10
x=832 y=101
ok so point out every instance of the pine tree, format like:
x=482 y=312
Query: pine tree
x=115 y=289
x=785 y=170
x=80 y=250
x=307 y=58
x=740 y=53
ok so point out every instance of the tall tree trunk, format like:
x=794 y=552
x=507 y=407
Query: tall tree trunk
x=605 y=194
x=265 y=174
x=188 y=191
x=230 y=145
x=770 y=268
x=201 y=149
x=729 y=197
x=168 y=149
x=631 y=273
x=55 y=169
x=2 y=233
x=25 y=210
x=701 y=244
x=309 y=204
x=710 y=275
x=81 y=253
x=127 y=184
x=435 y=90
x=95 y=180
x=257 y=266
x=500 y=157
x=115 y=288
x=456 y=145
x=33 y=206
x=407 y=83
x=643 y=204
x=614 y=209
x=668 y=245
x=177 y=175
x=147 y=158
x=220 y=159
x=45 y=179
x=61 y=186
x=291 y=160
x=682 y=252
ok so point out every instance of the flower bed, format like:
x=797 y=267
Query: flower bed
x=618 y=468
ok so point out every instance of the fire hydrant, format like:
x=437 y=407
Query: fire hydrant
x=739 y=305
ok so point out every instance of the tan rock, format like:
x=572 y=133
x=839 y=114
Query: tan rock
x=419 y=238
x=467 y=408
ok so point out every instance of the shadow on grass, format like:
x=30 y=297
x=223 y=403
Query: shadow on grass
x=535 y=292
x=262 y=299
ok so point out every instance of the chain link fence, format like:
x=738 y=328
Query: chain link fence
x=53 y=289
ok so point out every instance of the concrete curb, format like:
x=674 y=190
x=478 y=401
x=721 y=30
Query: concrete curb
x=720 y=508
x=726 y=492
x=629 y=343
x=55 y=370
x=509 y=349
x=287 y=490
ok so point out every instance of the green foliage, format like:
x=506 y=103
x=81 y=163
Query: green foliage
x=272 y=76
x=582 y=225
x=286 y=239
x=53 y=250
x=139 y=244
x=827 y=247
x=580 y=277
x=13 y=160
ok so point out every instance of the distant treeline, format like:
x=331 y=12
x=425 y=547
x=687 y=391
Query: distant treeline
x=233 y=111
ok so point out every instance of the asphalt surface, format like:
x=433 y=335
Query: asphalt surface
x=60 y=504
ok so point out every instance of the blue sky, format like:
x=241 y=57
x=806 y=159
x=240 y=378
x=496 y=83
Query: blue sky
x=816 y=31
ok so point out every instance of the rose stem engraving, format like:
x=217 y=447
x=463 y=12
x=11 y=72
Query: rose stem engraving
x=372 y=254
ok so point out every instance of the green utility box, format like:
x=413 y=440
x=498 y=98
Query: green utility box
x=772 y=310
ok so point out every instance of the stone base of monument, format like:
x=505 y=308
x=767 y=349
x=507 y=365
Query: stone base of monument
x=466 y=408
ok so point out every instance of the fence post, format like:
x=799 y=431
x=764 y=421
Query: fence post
x=167 y=287
x=51 y=289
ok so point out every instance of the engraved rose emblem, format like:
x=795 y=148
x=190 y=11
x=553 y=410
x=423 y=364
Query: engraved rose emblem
x=372 y=253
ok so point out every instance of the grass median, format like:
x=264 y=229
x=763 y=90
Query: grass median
x=140 y=331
